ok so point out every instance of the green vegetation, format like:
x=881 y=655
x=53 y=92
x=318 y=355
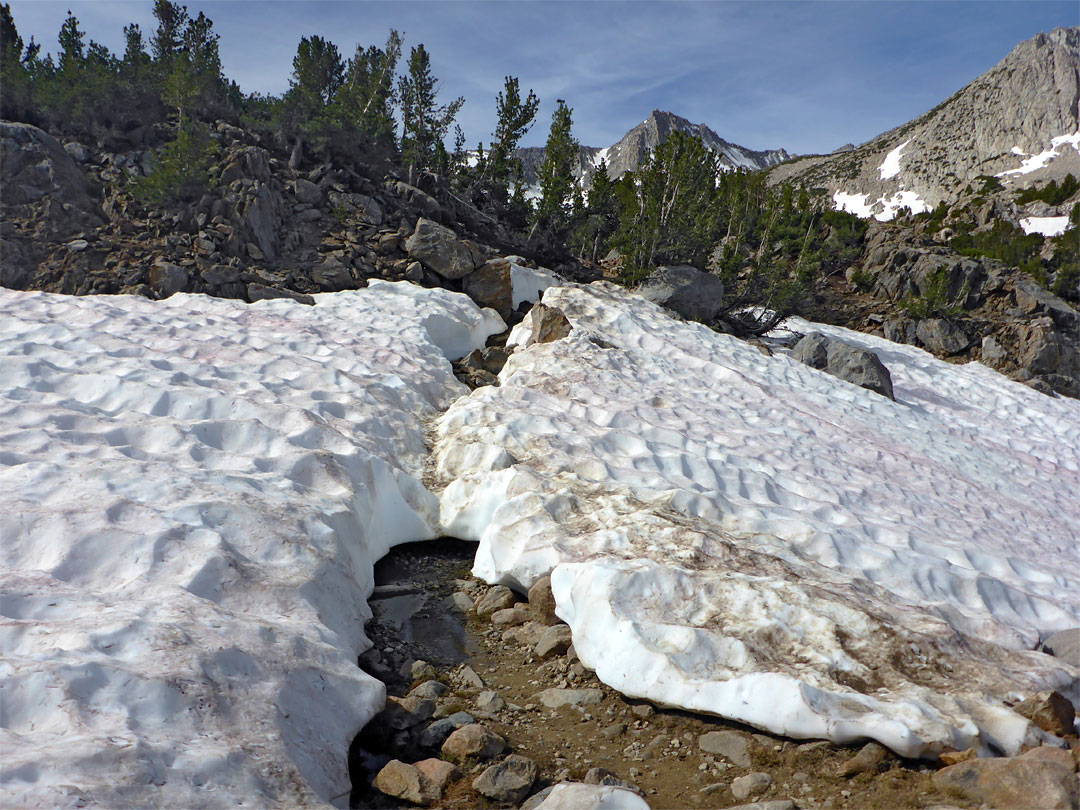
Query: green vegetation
x=935 y=301
x=1051 y=193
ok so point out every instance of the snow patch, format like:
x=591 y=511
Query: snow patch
x=746 y=536
x=883 y=209
x=890 y=167
x=195 y=491
x=1047 y=226
x=1033 y=163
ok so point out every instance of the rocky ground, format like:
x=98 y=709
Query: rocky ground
x=490 y=701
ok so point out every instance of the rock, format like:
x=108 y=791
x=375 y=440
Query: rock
x=490 y=701
x=577 y=796
x=366 y=209
x=602 y=776
x=1050 y=711
x=555 y=641
x=1032 y=298
x=498 y=598
x=439 y=249
x=459 y=601
x=1012 y=784
x=527 y=635
x=438 y=772
x=429 y=690
x=729 y=744
x=869 y=757
x=543 y=324
x=168 y=279
x=685 y=290
x=470 y=678
x=404 y=781
x=993 y=353
x=435 y=735
x=78 y=152
x=421 y=670
x=34 y=165
x=260 y=292
x=952 y=757
x=414 y=272
x=307 y=192
x=262 y=216
x=472 y=742
x=510 y=617
x=332 y=276
x=753 y=783
x=1065 y=645
x=554 y=698
x=417 y=199
x=643 y=710
x=490 y=286
x=415 y=709
x=542 y=602
x=900 y=330
x=509 y=780
x=777 y=804
x=77 y=245
x=941 y=336
x=613 y=731
x=844 y=361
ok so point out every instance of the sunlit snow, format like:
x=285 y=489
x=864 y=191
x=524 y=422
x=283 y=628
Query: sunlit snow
x=740 y=534
x=1047 y=226
x=890 y=167
x=860 y=206
x=1033 y=163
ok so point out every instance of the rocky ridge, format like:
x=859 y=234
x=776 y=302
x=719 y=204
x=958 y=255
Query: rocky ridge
x=991 y=127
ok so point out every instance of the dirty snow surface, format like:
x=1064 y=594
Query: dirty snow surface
x=194 y=493
x=740 y=534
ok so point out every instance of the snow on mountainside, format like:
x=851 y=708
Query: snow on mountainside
x=631 y=150
x=196 y=490
x=1019 y=121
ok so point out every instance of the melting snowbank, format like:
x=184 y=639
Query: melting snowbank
x=1047 y=226
x=195 y=491
x=743 y=535
x=861 y=206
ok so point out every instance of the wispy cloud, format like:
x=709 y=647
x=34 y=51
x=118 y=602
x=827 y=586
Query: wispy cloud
x=807 y=76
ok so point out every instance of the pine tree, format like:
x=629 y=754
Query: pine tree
x=368 y=93
x=424 y=121
x=515 y=118
x=557 y=173
x=600 y=217
x=168 y=39
x=71 y=45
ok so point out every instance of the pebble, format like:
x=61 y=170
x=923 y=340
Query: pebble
x=746 y=786
x=509 y=780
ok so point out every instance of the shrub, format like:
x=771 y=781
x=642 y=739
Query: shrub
x=181 y=170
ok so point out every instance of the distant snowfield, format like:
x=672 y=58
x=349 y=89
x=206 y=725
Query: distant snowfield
x=1031 y=163
x=860 y=206
x=890 y=167
x=195 y=491
x=743 y=535
x=1047 y=226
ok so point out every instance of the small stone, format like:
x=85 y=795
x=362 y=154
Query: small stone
x=728 y=744
x=509 y=780
x=473 y=741
x=489 y=701
x=414 y=272
x=497 y=598
x=404 y=781
x=435 y=735
x=77 y=245
x=438 y=772
x=542 y=602
x=555 y=641
x=643 y=710
x=613 y=731
x=422 y=671
x=777 y=804
x=459 y=601
x=753 y=783
x=554 y=698
x=713 y=788
x=420 y=708
x=953 y=757
x=429 y=690
x=1050 y=711
x=869 y=757
x=510 y=617
x=527 y=635
x=470 y=678
x=602 y=776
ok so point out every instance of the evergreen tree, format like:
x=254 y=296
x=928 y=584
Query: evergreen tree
x=168 y=39
x=557 y=174
x=15 y=87
x=424 y=121
x=515 y=118
x=368 y=94
x=601 y=216
x=71 y=45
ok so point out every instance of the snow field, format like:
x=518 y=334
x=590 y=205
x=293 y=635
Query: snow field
x=890 y=167
x=195 y=493
x=860 y=206
x=743 y=535
x=1032 y=163
x=1047 y=226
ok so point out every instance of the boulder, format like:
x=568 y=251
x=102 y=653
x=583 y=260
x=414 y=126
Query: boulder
x=490 y=286
x=554 y=698
x=527 y=635
x=900 y=330
x=490 y=701
x=429 y=690
x=1064 y=644
x=750 y=785
x=403 y=781
x=1013 y=783
x=307 y=192
x=1032 y=298
x=332 y=276
x=868 y=759
x=362 y=207
x=439 y=249
x=34 y=165
x=728 y=744
x=1050 y=711
x=942 y=336
x=438 y=772
x=844 y=361
x=473 y=742
x=510 y=617
x=685 y=290
x=555 y=641
x=509 y=780
x=542 y=602
x=168 y=279
x=261 y=292
x=435 y=735
x=497 y=598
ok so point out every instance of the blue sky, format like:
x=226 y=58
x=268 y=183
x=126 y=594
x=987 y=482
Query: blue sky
x=806 y=76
